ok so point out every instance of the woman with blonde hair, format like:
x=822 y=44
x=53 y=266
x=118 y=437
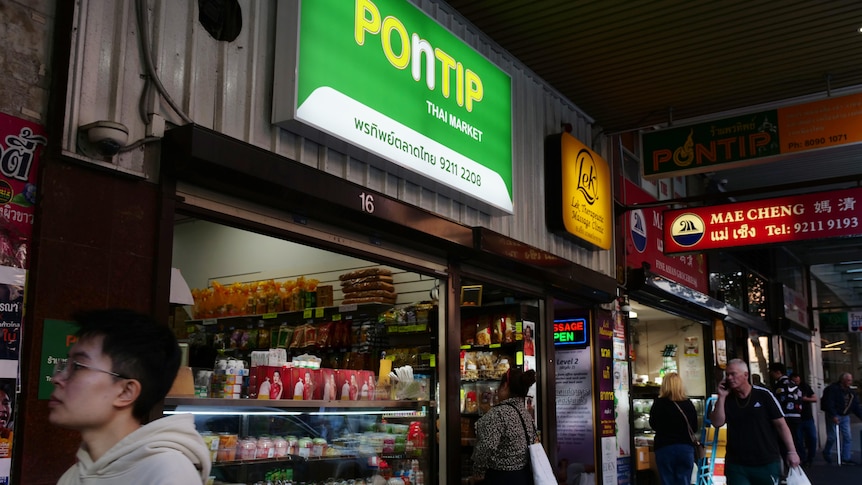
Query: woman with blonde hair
x=671 y=417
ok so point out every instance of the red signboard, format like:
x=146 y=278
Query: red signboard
x=643 y=229
x=769 y=221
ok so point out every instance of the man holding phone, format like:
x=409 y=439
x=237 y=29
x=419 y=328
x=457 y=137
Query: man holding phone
x=755 y=423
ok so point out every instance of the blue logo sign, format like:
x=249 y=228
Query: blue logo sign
x=638 y=230
x=687 y=229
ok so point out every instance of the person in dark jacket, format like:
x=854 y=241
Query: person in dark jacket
x=806 y=444
x=789 y=396
x=671 y=417
x=839 y=401
x=500 y=455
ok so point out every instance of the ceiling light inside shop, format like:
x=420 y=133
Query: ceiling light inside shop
x=833 y=344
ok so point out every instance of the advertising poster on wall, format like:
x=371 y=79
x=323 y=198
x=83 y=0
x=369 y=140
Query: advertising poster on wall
x=20 y=146
x=11 y=312
x=21 y=142
x=574 y=406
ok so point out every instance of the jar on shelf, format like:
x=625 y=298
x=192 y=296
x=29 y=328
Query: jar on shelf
x=247 y=449
x=265 y=448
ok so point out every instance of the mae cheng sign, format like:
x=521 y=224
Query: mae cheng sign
x=746 y=139
x=768 y=221
x=387 y=79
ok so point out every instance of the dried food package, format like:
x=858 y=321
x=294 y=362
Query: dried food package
x=485 y=362
x=310 y=335
x=468 y=331
x=365 y=272
x=508 y=324
x=325 y=335
x=298 y=340
x=483 y=330
x=471 y=369
x=502 y=366
x=471 y=398
x=487 y=392
x=285 y=336
x=497 y=330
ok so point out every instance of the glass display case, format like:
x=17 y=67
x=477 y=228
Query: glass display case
x=314 y=442
x=641 y=405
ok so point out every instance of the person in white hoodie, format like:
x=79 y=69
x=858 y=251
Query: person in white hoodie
x=122 y=365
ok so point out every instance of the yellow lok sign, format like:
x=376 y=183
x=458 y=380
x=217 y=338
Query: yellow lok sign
x=578 y=192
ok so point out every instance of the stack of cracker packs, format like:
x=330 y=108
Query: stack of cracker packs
x=369 y=285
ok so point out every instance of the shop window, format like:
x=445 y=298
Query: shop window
x=741 y=288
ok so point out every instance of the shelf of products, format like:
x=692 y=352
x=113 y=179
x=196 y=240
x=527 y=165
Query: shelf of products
x=312 y=441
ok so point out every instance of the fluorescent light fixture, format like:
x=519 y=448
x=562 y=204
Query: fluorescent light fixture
x=854 y=270
x=275 y=412
x=829 y=349
x=833 y=344
x=268 y=412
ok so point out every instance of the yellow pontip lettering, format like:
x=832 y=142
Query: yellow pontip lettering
x=468 y=84
x=447 y=63
x=363 y=23
x=475 y=91
x=398 y=60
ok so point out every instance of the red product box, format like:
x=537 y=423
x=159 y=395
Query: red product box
x=328 y=389
x=304 y=383
x=347 y=382
x=271 y=381
x=367 y=385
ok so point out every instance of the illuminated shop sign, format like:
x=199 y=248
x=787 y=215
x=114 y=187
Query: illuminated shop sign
x=644 y=230
x=577 y=192
x=384 y=77
x=769 y=221
x=570 y=331
x=740 y=140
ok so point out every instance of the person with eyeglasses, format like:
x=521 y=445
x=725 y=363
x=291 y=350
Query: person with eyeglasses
x=122 y=365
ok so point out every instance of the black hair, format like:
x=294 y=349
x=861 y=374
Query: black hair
x=519 y=381
x=777 y=366
x=139 y=348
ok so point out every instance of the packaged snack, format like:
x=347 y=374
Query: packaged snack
x=361 y=273
x=298 y=340
x=501 y=367
x=325 y=335
x=483 y=330
x=485 y=362
x=471 y=370
x=497 y=325
x=468 y=331
x=486 y=392
x=508 y=323
x=310 y=335
x=471 y=398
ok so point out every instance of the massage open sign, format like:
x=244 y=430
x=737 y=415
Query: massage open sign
x=780 y=220
x=384 y=77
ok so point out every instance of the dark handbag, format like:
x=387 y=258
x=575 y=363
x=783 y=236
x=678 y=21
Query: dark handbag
x=699 y=449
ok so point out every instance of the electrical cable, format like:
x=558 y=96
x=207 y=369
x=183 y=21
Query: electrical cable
x=152 y=76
